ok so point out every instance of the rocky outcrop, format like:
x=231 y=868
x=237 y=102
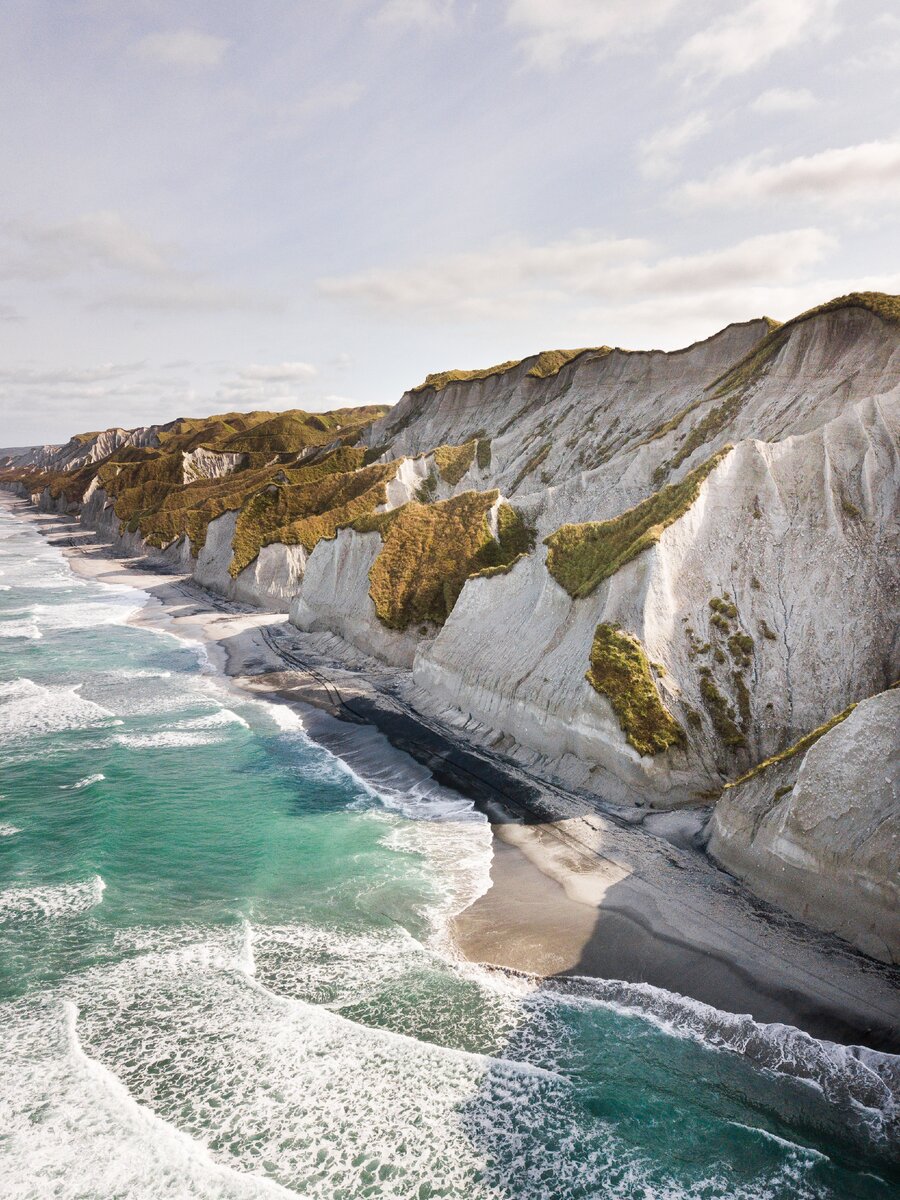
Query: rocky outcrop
x=818 y=832
x=209 y=464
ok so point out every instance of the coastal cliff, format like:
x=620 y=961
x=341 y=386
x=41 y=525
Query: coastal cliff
x=641 y=573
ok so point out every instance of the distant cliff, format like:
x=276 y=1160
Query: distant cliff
x=645 y=572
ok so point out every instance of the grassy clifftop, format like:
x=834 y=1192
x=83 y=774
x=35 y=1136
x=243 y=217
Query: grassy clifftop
x=546 y=364
x=287 y=451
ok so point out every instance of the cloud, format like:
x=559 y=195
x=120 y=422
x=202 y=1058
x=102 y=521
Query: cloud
x=266 y=385
x=657 y=155
x=499 y=281
x=185 y=49
x=515 y=279
x=105 y=247
x=678 y=319
x=68 y=377
x=29 y=250
x=783 y=100
x=184 y=292
x=277 y=372
x=741 y=41
x=864 y=174
x=550 y=29
x=420 y=14
x=287 y=120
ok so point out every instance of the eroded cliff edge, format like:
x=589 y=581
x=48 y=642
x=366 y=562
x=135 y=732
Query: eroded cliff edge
x=641 y=573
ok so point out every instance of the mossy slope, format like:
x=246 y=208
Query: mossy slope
x=430 y=550
x=620 y=671
x=579 y=557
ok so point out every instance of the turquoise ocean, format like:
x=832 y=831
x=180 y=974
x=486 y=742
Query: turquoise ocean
x=225 y=969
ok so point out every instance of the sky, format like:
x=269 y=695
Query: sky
x=209 y=205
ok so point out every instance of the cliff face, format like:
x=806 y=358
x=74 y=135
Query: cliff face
x=645 y=572
x=818 y=832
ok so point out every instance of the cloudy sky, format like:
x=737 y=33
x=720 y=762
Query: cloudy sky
x=214 y=204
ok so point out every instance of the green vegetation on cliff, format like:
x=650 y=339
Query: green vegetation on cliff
x=285 y=451
x=721 y=713
x=799 y=747
x=551 y=362
x=303 y=514
x=454 y=461
x=547 y=364
x=430 y=550
x=579 y=557
x=620 y=671
x=732 y=387
x=440 y=379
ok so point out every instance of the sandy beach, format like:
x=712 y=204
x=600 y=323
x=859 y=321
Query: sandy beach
x=576 y=891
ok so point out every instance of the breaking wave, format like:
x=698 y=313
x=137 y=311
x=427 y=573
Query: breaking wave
x=82 y=783
x=51 y=902
x=28 y=710
x=865 y=1082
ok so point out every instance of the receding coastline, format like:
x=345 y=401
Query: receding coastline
x=575 y=892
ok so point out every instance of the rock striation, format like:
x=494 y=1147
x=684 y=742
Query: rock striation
x=818 y=831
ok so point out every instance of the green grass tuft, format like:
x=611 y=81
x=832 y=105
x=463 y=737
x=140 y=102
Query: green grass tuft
x=454 y=461
x=721 y=713
x=431 y=550
x=440 y=379
x=551 y=362
x=620 y=671
x=532 y=465
x=304 y=514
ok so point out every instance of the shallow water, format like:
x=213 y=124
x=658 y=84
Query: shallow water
x=225 y=969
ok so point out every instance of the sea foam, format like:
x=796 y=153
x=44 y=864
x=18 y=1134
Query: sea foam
x=51 y=902
x=29 y=709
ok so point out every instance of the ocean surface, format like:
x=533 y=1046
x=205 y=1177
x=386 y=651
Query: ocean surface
x=225 y=968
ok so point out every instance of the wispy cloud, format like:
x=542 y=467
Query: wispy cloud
x=288 y=120
x=517 y=279
x=184 y=49
x=70 y=377
x=784 y=100
x=285 y=372
x=126 y=265
x=658 y=154
x=852 y=175
x=183 y=292
x=550 y=29
x=30 y=250
x=741 y=41
x=279 y=385
x=421 y=14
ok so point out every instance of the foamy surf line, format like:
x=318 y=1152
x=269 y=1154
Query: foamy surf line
x=866 y=1082
x=50 y=902
x=170 y=1144
x=29 y=709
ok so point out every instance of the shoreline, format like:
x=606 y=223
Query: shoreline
x=575 y=890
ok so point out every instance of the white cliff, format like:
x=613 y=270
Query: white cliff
x=819 y=833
